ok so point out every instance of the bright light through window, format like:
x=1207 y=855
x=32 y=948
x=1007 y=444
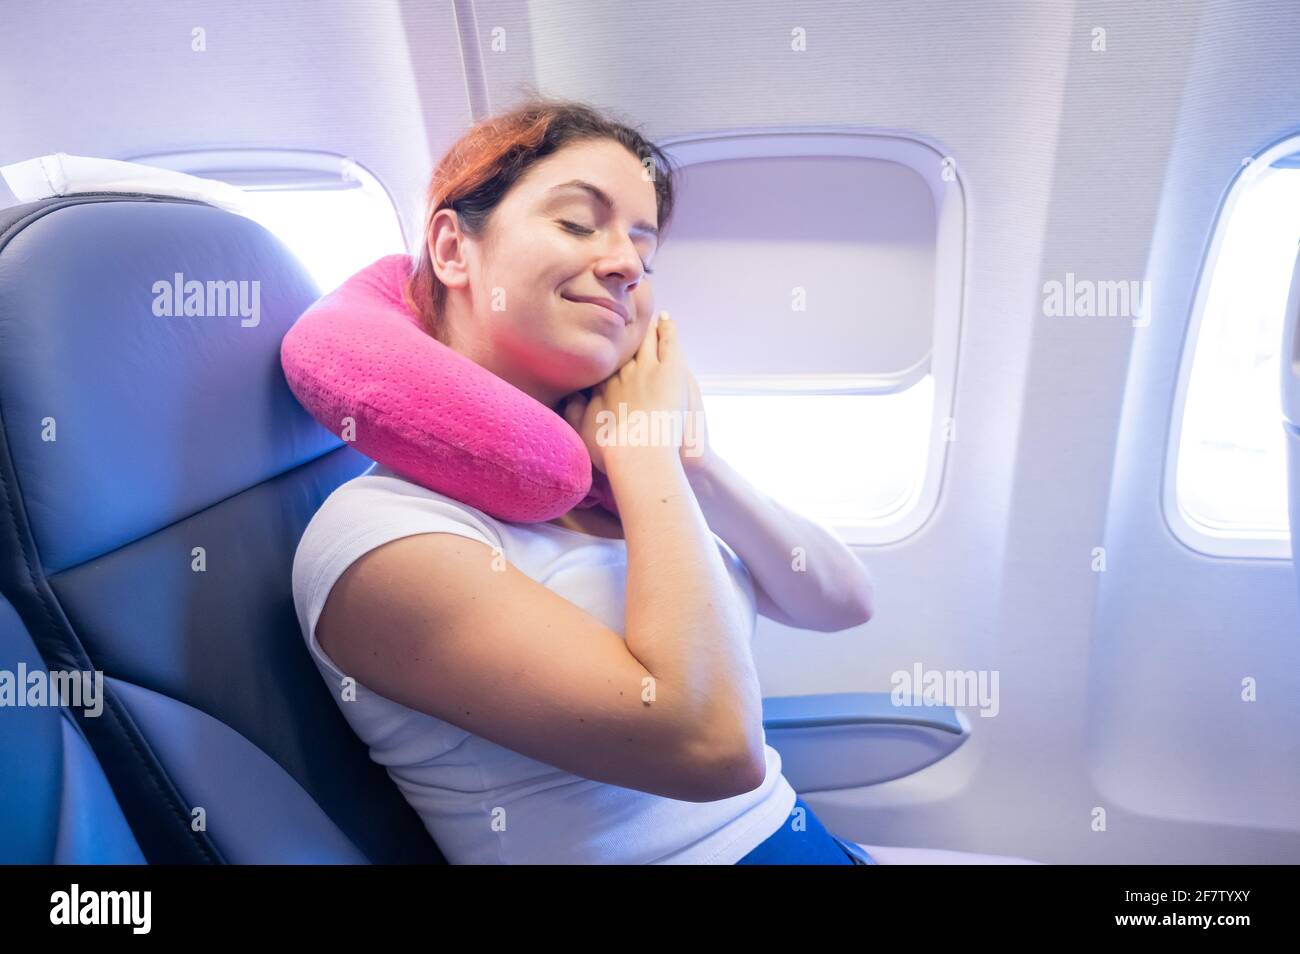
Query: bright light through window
x=334 y=232
x=839 y=459
x=1232 y=455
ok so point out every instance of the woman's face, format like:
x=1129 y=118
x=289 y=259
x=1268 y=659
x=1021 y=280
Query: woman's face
x=514 y=299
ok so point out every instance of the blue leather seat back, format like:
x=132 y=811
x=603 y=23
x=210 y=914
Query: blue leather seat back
x=156 y=474
x=56 y=806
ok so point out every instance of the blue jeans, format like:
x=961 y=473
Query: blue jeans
x=814 y=845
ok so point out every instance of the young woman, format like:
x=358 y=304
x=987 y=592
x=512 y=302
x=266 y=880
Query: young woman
x=579 y=691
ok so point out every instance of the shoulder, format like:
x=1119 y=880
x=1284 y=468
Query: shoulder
x=380 y=499
x=373 y=509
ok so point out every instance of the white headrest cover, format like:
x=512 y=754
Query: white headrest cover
x=61 y=174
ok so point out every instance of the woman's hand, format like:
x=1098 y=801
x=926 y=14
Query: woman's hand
x=696 y=452
x=654 y=382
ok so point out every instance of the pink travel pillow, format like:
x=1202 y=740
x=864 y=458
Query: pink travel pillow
x=429 y=413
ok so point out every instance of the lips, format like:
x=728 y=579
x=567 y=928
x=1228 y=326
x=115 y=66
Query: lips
x=608 y=303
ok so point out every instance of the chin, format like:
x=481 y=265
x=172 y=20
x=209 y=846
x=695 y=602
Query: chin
x=588 y=361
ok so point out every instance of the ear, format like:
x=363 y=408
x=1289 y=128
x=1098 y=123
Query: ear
x=446 y=242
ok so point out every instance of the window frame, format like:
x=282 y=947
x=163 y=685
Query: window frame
x=1196 y=536
x=276 y=170
x=949 y=195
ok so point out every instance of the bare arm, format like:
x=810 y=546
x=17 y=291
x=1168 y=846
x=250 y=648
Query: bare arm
x=683 y=621
x=804 y=575
x=441 y=624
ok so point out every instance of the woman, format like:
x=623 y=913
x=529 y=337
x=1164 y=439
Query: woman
x=579 y=691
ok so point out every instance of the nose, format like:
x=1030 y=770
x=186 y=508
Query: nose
x=622 y=264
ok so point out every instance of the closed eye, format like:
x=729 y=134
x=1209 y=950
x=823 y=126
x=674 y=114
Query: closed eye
x=583 y=230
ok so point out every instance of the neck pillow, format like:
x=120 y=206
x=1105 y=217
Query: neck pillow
x=360 y=363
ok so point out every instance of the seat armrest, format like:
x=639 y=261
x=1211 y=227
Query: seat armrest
x=851 y=739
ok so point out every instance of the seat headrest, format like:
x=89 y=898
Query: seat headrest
x=61 y=174
x=359 y=361
x=131 y=326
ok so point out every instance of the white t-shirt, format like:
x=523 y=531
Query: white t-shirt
x=458 y=781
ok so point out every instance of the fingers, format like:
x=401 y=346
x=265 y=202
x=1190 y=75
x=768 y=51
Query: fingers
x=667 y=336
x=649 y=350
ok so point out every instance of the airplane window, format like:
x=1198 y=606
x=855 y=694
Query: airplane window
x=870 y=450
x=816 y=277
x=1231 y=474
x=331 y=212
x=334 y=232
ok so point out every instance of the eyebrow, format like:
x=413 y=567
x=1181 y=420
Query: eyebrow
x=600 y=196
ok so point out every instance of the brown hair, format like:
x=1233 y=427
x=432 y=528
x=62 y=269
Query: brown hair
x=478 y=171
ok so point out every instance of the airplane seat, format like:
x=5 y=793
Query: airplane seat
x=56 y=806
x=1291 y=410
x=156 y=474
